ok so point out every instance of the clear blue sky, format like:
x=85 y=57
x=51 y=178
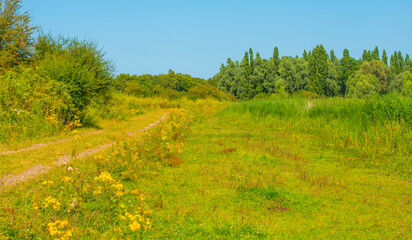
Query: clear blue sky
x=195 y=37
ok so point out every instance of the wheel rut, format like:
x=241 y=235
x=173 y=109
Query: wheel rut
x=14 y=179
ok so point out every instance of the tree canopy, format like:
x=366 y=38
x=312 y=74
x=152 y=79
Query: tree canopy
x=317 y=72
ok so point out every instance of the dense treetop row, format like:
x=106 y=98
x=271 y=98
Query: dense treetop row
x=316 y=72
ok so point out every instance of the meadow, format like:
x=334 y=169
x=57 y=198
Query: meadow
x=310 y=147
x=295 y=168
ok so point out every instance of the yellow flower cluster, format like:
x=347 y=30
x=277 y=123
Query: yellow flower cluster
x=104 y=177
x=52 y=202
x=138 y=221
x=77 y=137
x=47 y=183
x=75 y=123
x=2 y=237
x=52 y=119
x=68 y=179
x=135 y=226
x=98 y=191
x=60 y=229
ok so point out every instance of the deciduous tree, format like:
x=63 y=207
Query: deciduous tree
x=16 y=34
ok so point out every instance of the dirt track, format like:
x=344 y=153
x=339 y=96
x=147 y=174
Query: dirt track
x=12 y=180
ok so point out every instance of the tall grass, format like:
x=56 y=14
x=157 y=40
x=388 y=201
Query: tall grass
x=375 y=128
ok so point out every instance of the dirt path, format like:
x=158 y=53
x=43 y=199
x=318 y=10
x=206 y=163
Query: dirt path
x=12 y=180
x=35 y=146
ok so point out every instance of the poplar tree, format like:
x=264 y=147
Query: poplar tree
x=346 y=52
x=384 y=57
x=408 y=61
x=318 y=69
x=375 y=54
x=305 y=55
x=276 y=60
x=365 y=56
x=347 y=66
x=401 y=61
x=246 y=72
x=394 y=63
x=333 y=57
x=251 y=60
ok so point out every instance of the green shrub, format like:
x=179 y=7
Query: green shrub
x=78 y=64
x=31 y=104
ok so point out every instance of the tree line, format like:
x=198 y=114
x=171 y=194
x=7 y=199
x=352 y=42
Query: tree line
x=171 y=85
x=316 y=73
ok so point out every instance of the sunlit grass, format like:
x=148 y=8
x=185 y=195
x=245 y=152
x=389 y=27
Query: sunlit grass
x=233 y=175
x=109 y=130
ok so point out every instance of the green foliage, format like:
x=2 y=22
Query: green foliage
x=347 y=66
x=31 y=105
x=314 y=71
x=275 y=59
x=384 y=57
x=366 y=55
x=379 y=70
x=375 y=54
x=407 y=88
x=16 y=31
x=399 y=83
x=318 y=69
x=78 y=64
x=363 y=85
x=171 y=85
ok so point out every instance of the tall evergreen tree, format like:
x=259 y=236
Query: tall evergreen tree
x=347 y=66
x=375 y=54
x=305 y=55
x=365 y=56
x=276 y=59
x=258 y=76
x=395 y=68
x=384 y=57
x=401 y=61
x=333 y=57
x=251 y=60
x=346 y=53
x=318 y=69
x=408 y=62
x=246 y=72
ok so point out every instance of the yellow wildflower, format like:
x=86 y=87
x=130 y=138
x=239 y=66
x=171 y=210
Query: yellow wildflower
x=77 y=138
x=3 y=237
x=50 y=201
x=47 y=183
x=135 y=226
x=98 y=191
x=104 y=177
x=60 y=229
x=68 y=179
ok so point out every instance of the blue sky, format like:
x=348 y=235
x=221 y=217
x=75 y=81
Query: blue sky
x=195 y=37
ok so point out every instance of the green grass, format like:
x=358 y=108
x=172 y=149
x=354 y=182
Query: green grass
x=276 y=184
x=254 y=170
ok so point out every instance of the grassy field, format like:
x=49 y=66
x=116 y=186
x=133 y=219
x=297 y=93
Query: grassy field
x=267 y=169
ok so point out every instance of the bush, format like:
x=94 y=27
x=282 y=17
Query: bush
x=78 y=64
x=32 y=105
x=363 y=85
